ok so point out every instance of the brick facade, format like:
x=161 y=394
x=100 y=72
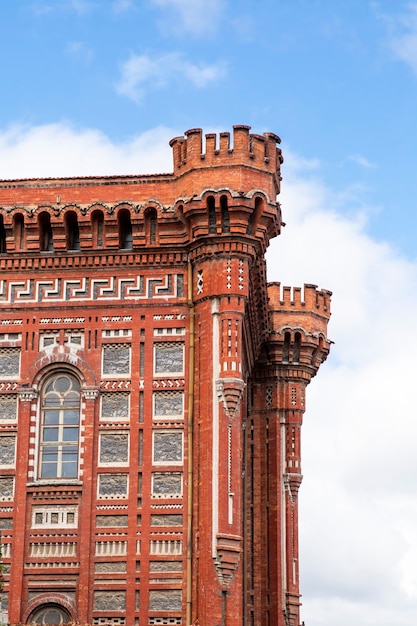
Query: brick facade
x=152 y=388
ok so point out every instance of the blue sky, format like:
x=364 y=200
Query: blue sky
x=337 y=80
x=100 y=86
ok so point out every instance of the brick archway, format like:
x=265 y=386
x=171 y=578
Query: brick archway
x=53 y=601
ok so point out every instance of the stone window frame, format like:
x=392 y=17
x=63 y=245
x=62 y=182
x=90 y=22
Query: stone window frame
x=170 y=417
x=171 y=431
x=112 y=496
x=54 y=374
x=114 y=463
x=11 y=497
x=117 y=418
x=166 y=374
x=117 y=344
x=46 y=512
x=4 y=420
x=18 y=350
x=10 y=465
x=168 y=496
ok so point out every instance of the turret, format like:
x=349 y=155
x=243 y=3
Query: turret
x=258 y=152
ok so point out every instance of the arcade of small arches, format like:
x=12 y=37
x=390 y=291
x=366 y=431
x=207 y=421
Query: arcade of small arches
x=14 y=236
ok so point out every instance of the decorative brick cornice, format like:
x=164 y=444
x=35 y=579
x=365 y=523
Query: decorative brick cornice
x=229 y=549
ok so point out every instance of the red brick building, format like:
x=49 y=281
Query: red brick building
x=152 y=388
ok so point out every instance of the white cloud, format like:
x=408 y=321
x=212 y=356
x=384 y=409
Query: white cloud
x=120 y=6
x=61 y=150
x=142 y=73
x=358 y=502
x=362 y=161
x=81 y=6
x=402 y=29
x=79 y=50
x=197 y=17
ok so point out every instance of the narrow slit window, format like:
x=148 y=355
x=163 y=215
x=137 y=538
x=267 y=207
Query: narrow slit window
x=211 y=213
x=19 y=231
x=46 y=243
x=97 y=223
x=225 y=214
x=125 y=230
x=72 y=231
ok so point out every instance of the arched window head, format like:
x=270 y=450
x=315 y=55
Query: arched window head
x=46 y=243
x=125 y=230
x=19 y=231
x=97 y=223
x=50 y=614
x=59 y=427
x=72 y=231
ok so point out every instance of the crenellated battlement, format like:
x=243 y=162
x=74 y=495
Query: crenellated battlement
x=298 y=340
x=310 y=299
x=251 y=150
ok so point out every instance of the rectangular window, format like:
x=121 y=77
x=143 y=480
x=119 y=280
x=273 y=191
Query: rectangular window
x=9 y=363
x=168 y=405
x=166 y=485
x=115 y=406
x=167 y=447
x=112 y=486
x=116 y=360
x=8 y=407
x=7 y=450
x=114 y=448
x=169 y=358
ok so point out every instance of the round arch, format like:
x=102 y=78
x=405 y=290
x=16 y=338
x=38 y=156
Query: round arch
x=48 y=609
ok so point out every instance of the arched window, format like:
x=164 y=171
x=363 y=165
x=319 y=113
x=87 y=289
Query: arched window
x=59 y=427
x=125 y=230
x=211 y=214
x=46 y=243
x=72 y=231
x=19 y=231
x=151 y=221
x=97 y=223
x=50 y=614
x=225 y=214
x=253 y=218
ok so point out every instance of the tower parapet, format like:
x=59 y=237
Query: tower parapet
x=307 y=308
x=257 y=152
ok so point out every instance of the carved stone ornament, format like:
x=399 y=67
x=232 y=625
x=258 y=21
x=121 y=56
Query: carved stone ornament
x=27 y=394
x=229 y=392
x=90 y=394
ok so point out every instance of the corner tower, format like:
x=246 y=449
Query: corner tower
x=151 y=393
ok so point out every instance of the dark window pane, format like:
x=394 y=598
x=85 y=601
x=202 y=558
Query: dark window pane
x=51 y=417
x=69 y=470
x=62 y=383
x=50 y=434
x=49 y=470
x=71 y=416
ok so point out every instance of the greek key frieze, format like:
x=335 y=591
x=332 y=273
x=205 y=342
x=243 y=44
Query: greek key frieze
x=73 y=290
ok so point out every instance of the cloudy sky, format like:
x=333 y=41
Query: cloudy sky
x=100 y=86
